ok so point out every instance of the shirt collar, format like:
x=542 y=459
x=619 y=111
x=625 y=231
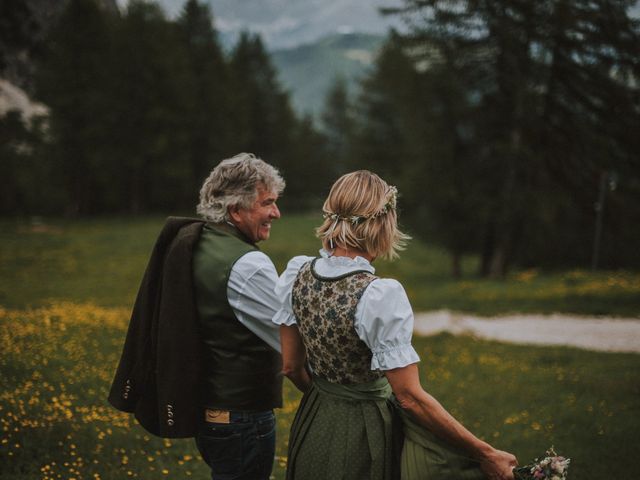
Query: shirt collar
x=345 y=263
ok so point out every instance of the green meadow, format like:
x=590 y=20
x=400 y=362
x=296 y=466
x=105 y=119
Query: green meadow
x=102 y=261
x=66 y=288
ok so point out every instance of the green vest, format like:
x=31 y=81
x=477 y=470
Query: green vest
x=241 y=371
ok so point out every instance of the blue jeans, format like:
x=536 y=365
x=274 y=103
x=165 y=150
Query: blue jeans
x=242 y=449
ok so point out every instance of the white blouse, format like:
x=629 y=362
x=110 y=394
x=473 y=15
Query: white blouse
x=383 y=318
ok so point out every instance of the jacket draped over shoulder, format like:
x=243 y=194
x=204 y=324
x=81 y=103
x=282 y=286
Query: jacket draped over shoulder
x=163 y=390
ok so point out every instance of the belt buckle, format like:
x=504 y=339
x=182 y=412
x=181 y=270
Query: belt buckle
x=217 y=416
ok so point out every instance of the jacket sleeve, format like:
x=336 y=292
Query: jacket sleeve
x=135 y=369
x=178 y=374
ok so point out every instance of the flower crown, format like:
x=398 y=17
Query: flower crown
x=391 y=199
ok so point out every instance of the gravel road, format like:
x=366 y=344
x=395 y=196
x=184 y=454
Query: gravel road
x=593 y=333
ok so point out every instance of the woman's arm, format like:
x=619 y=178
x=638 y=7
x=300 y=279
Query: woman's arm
x=294 y=357
x=405 y=382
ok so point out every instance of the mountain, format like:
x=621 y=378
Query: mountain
x=287 y=24
x=311 y=41
x=308 y=71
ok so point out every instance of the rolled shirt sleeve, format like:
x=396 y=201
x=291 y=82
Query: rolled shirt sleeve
x=252 y=298
x=384 y=322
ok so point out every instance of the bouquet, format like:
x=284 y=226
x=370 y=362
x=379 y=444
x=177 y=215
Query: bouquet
x=551 y=467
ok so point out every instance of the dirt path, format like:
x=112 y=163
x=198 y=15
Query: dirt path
x=593 y=333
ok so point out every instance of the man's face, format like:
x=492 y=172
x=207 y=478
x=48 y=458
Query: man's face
x=255 y=222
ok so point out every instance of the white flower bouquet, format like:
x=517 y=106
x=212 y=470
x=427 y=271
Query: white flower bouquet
x=551 y=467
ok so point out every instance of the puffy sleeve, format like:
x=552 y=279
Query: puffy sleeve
x=283 y=288
x=384 y=322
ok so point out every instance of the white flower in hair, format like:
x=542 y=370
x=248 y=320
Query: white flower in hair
x=389 y=204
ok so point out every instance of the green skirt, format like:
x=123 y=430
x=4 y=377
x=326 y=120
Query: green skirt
x=344 y=432
x=426 y=457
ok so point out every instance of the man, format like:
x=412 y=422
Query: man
x=234 y=285
x=201 y=358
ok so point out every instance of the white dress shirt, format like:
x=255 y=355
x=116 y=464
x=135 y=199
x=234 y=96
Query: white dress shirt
x=383 y=318
x=250 y=291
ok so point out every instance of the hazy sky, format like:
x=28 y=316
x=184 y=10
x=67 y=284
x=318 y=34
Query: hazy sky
x=287 y=23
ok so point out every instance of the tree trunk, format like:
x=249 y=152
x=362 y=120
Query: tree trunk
x=456 y=265
x=499 y=260
x=488 y=246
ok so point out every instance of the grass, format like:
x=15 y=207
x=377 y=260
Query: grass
x=66 y=290
x=58 y=361
x=102 y=261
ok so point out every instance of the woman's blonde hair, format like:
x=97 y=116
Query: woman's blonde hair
x=360 y=213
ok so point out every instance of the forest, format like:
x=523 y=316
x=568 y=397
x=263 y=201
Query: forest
x=509 y=127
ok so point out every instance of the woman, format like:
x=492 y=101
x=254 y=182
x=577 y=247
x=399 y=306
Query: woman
x=346 y=343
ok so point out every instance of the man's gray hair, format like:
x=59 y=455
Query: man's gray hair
x=234 y=182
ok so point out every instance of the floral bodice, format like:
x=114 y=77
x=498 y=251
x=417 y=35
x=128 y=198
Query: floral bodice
x=325 y=310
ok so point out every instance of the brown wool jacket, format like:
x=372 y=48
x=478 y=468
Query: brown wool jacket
x=158 y=377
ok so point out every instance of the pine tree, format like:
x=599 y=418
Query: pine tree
x=551 y=96
x=263 y=119
x=151 y=142
x=209 y=107
x=384 y=113
x=590 y=107
x=19 y=31
x=309 y=172
x=72 y=82
x=416 y=131
x=338 y=124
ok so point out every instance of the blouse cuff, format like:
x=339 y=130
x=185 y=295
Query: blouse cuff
x=284 y=317
x=396 y=357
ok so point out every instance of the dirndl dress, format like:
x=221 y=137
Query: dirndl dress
x=348 y=425
x=427 y=457
x=359 y=432
x=344 y=432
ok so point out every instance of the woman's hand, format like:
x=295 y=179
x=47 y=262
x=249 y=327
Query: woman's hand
x=294 y=357
x=499 y=465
